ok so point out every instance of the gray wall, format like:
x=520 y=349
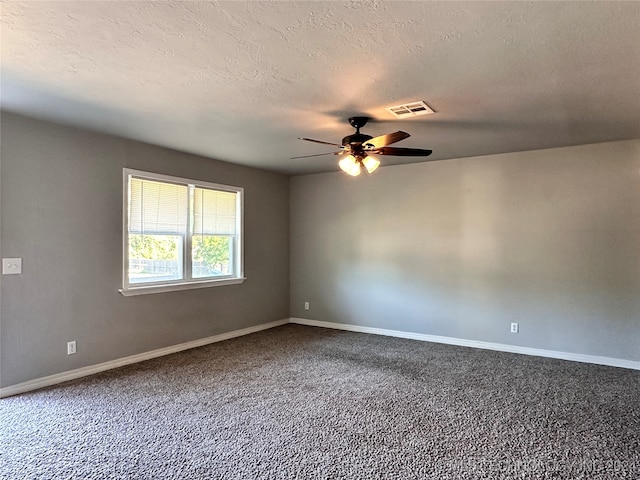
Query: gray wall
x=61 y=200
x=461 y=248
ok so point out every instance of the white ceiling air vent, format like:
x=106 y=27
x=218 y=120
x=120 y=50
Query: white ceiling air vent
x=413 y=109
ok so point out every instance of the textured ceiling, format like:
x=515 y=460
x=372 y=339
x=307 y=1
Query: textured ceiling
x=239 y=81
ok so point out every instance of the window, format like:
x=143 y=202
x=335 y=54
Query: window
x=179 y=233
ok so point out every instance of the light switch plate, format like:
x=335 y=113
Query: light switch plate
x=11 y=266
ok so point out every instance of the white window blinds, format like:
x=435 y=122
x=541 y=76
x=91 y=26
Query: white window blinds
x=157 y=207
x=214 y=212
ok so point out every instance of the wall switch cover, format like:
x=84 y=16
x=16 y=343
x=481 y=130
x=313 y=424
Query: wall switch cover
x=11 y=266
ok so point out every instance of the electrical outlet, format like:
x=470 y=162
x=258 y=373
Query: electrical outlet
x=306 y=305
x=11 y=266
x=514 y=327
x=71 y=347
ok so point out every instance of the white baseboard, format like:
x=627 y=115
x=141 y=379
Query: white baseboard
x=121 y=362
x=501 y=347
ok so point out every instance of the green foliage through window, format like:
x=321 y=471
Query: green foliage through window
x=153 y=247
x=213 y=252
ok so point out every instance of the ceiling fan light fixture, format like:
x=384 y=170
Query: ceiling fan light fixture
x=350 y=165
x=371 y=163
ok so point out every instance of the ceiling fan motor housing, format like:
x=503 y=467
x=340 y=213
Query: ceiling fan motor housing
x=356 y=138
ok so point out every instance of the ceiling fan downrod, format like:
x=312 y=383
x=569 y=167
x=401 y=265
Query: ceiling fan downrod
x=357 y=138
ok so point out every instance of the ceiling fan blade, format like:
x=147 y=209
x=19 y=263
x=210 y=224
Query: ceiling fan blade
x=316 y=155
x=319 y=141
x=402 y=152
x=388 y=139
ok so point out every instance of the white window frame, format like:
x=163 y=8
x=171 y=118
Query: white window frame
x=186 y=283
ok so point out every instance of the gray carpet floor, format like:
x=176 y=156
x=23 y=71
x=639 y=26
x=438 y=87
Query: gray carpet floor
x=299 y=402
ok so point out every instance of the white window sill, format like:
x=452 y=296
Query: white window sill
x=143 y=290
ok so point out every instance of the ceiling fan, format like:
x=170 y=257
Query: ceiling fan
x=358 y=147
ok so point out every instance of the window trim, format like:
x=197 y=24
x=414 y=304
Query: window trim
x=188 y=282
